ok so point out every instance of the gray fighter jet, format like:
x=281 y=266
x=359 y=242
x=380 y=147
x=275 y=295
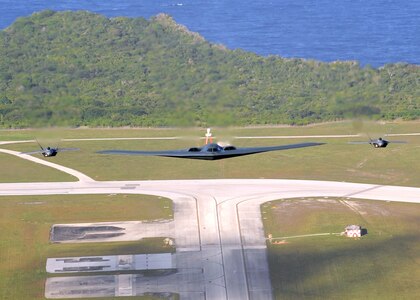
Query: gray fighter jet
x=377 y=143
x=210 y=151
x=50 y=151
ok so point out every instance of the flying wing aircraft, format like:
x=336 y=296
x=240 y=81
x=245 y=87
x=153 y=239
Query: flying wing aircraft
x=377 y=143
x=50 y=151
x=211 y=151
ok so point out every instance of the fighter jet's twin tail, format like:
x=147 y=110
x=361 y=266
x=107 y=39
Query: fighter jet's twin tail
x=50 y=151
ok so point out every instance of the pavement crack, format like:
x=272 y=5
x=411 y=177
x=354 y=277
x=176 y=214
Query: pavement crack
x=363 y=191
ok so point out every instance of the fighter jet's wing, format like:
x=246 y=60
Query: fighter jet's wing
x=393 y=142
x=359 y=142
x=33 y=152
x=67 y=149
x=58 y=150
x=196 y=153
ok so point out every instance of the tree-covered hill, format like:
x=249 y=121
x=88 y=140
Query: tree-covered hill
x=79 y=68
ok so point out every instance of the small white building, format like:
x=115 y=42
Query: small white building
x=353 y=231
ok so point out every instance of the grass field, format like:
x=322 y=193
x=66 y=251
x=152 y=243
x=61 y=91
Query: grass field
x=25 y=223
x=15 y=169
x=314 y=267
x=398 y=164
x=384 y=264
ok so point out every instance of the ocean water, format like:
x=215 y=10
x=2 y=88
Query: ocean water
x=373 y=32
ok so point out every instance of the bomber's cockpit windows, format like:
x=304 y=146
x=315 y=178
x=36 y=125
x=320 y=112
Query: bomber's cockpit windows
x=213 y=148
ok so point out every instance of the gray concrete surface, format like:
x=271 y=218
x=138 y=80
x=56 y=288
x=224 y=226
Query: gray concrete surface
x=111 y=263
x=187 y=283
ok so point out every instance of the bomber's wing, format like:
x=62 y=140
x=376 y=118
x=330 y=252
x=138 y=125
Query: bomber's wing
x=169 y=153
x=187 y=153
x=254 y=150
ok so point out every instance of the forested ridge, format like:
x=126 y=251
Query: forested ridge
x=80 y=68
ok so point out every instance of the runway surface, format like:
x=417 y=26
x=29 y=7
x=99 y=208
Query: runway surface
x=217 y=224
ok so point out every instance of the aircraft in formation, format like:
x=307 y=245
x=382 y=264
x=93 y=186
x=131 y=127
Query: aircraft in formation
x=210 y=151
x=377 y=143
x=50 y=151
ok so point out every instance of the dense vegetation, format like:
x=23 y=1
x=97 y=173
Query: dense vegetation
x=79 y=68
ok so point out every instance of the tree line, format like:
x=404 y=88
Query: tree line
x=80 y=68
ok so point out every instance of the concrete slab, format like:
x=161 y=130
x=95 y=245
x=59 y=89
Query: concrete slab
x=80 y=287
x=189 y=283
x=124 y=285
x=111 y=263
x=187 y=236
x=258 y=275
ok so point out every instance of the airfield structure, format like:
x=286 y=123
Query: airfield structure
x=353 y=231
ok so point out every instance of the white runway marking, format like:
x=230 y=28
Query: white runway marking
x=121 y=139
x=297 y=136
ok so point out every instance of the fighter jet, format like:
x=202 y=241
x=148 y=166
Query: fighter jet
x=50 y=151
x=377 y=143
x=210 y=151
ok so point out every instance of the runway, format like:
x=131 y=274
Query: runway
x=217 y=224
